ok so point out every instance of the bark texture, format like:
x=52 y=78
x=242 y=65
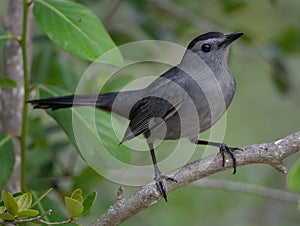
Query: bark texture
x=11 y=99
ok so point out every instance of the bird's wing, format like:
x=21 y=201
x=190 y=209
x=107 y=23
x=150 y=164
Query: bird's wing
x=145 y=110
x=161 y=100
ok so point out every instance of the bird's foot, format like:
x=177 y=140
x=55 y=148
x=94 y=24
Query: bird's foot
x=159 y=177
x=230 y=150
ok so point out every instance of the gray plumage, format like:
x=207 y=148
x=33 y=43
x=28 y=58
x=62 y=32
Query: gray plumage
x=183 y=102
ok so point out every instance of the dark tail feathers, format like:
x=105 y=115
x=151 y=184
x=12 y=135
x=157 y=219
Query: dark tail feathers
x=103 y=101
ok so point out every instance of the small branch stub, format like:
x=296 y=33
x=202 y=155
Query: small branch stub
x=120 y=194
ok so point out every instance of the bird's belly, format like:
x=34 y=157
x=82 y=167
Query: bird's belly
x=190 y=120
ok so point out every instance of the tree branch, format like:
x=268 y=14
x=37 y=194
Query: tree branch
x=11 y=99
x=267 y=153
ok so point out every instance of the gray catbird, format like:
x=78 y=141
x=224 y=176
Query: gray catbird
x=183 y=102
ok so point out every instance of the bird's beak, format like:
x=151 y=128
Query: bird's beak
x=230 y=38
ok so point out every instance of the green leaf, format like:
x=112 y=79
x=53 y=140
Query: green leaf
x=293 y=177
x=7 y=158
x=96 y=140
x=88 y=202
x=15 y=195
x=49 y=68
x=7 y=216
x=28 y=213
x=7 y=82
x=24 y=201
x=77 y=195
x=75 y=208
x=3 y=38
x=74 y=28
x=47 y=204
x=10 y=203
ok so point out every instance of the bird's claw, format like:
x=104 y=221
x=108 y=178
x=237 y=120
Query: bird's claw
x=224 y=148
x=159 y=177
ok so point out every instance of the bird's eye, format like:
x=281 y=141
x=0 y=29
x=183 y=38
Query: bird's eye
x=206 y=48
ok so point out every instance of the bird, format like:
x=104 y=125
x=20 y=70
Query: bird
x=184 y=101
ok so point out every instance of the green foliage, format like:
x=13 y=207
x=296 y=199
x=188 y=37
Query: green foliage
x=41 y=197
x=7 y=82
x=6 y=217
x=10 y=203
x=230 y=6
x=76 y=205
x=3 y=38
x=24 y=201
x=71 y=26
x=19 y=207
x=88 y=202
x=16 y=208
x=85 y=130
x=49 y=67
x=77 y=195
x=293 y=178
x=58 y=215
x=74 y=28
x=280 y=76
x=87 y=179
x=7 y=158
x=289 y=40
x=28 y=213
x=28 y=224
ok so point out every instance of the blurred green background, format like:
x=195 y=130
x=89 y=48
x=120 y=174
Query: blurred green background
x=266 y=107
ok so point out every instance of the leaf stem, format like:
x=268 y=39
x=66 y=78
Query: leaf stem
x=26 y=93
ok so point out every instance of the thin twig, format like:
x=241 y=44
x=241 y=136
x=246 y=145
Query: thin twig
x=24 y=127
x=120 y=194
x=56 y=223
x=32 y=219
x=40 y=219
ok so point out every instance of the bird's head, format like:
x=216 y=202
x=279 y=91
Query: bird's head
x=213 y=47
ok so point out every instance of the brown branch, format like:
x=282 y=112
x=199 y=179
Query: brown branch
x=40 y=219
x=268 y=153
x=30 y=219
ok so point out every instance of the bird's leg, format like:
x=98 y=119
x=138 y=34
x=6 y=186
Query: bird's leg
x=223 y=148
x=158 y=175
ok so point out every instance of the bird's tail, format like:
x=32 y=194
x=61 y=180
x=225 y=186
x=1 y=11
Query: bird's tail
x=103 y=101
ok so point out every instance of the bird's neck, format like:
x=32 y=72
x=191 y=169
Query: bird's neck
x=213 y=76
